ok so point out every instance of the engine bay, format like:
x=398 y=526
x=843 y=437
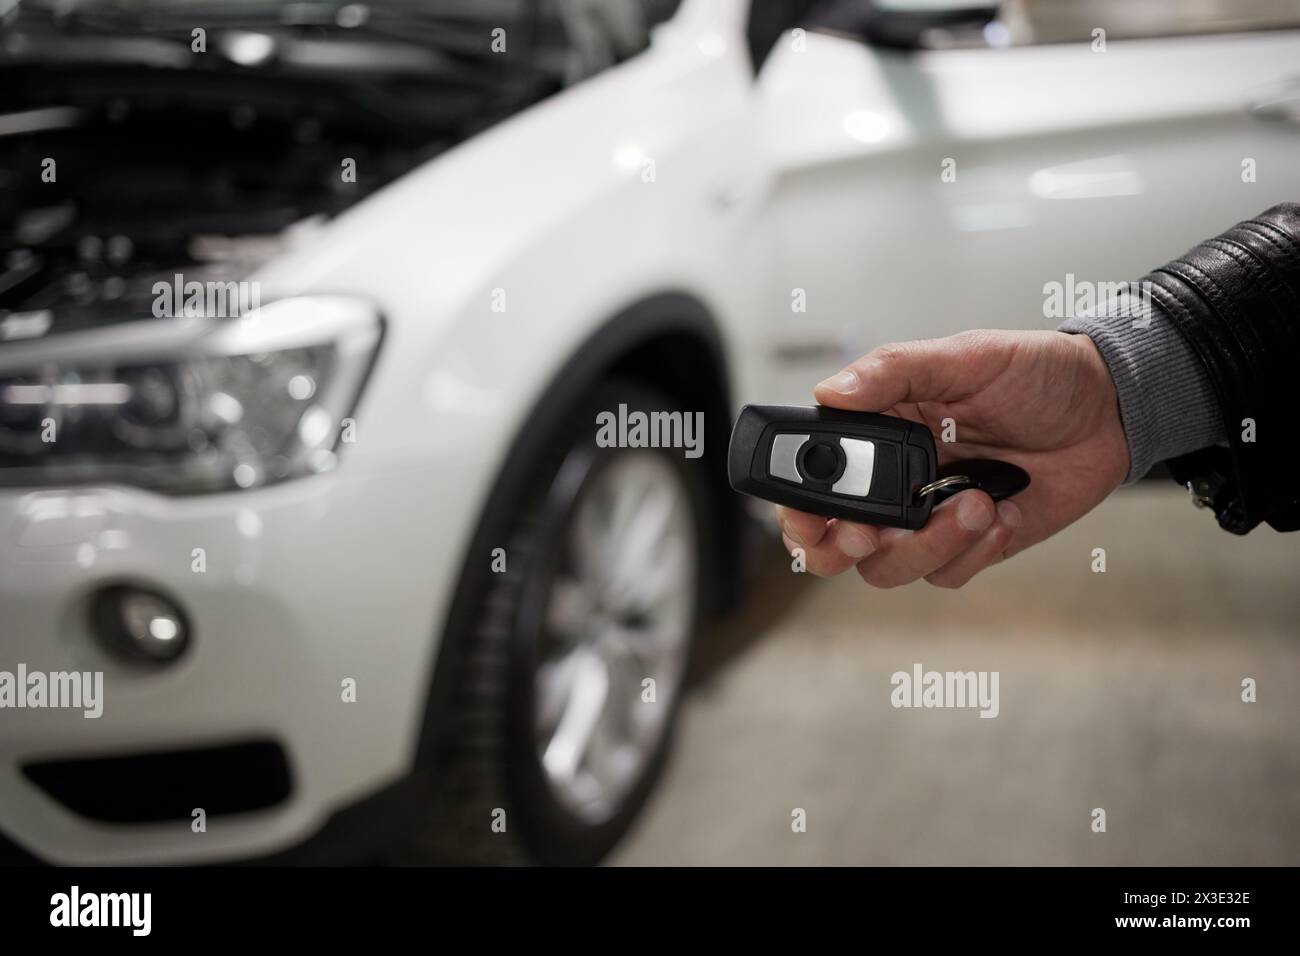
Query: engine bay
x=126 y=161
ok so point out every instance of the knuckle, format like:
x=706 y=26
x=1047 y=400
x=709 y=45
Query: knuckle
x=888 y=353
x=976 y=339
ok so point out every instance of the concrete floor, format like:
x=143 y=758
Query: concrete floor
x=1119 y=690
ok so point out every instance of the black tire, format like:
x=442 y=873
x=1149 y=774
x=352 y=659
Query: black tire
x=486 y=757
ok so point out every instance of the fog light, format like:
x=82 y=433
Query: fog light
x=141 y=624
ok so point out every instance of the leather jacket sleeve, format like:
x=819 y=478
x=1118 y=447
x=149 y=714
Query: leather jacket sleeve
x=1235 y=299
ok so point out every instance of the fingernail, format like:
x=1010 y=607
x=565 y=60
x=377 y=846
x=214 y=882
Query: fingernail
x=1009 y=514
x=973 y=513
x=855 y=543
x=845 y=382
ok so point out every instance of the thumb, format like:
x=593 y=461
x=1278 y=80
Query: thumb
x=927 y=370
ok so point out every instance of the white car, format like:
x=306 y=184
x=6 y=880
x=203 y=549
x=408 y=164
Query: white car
x=310 y=312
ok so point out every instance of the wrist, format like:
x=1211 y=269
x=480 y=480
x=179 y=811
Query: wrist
x=1114 y=455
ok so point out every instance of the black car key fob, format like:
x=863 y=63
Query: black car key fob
x=876 y=469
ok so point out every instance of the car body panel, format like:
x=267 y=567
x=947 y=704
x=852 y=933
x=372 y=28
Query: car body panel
x=1103 y=164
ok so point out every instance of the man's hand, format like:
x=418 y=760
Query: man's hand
x=1041 y=400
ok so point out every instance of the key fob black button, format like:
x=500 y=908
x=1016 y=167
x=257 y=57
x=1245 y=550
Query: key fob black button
x=821 y=461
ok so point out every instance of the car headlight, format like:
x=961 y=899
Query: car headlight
x=187 y=405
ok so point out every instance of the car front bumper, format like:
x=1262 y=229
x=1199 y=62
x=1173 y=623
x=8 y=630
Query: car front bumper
x=291 y=591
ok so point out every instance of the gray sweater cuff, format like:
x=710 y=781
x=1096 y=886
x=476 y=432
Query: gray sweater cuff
x=1166 y=403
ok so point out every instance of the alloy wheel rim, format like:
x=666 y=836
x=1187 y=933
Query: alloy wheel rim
x=618 y=612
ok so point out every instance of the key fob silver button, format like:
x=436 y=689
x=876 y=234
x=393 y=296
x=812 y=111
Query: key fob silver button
x=783 y=461
x=859 y=467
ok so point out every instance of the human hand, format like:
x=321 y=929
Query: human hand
x=1041 y=400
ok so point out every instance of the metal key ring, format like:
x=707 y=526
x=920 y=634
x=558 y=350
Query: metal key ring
x=947 y=482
